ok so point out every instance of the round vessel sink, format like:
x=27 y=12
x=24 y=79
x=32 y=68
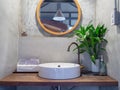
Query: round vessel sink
x=59 y=70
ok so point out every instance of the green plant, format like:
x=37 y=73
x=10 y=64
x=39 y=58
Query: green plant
x=91 y=39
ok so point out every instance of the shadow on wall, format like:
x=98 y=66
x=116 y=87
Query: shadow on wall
x=8 y=88
x=62 y=88
x=65 y=88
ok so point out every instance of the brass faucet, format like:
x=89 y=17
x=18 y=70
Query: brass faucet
x=77 y=49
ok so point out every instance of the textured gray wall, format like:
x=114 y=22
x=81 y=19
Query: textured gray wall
x=42 y=46
x=104 y=8
x=50 y=49
x=37 y=45
x=29 y=19
x=9 y=19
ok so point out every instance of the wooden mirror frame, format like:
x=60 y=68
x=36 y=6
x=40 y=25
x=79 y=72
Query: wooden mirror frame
x=57 y=33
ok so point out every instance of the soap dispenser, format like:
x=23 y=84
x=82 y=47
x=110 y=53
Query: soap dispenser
x=103 y=70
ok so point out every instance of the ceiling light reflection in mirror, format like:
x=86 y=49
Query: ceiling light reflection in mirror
x=58 y=18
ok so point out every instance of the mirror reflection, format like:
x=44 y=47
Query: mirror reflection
x=59 y=18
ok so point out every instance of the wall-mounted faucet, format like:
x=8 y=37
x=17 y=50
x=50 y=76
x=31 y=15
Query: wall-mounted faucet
x=77 y=49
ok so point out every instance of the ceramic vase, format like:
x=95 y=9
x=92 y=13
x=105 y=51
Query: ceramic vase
x=96 y=66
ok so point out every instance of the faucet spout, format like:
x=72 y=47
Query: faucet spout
x=77 y=48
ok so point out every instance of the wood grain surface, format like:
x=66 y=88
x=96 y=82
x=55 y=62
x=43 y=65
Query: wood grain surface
x=17 y=79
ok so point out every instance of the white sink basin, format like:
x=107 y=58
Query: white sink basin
x=59 y=70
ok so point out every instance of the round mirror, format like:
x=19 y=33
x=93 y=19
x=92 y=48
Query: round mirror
x=58 y=17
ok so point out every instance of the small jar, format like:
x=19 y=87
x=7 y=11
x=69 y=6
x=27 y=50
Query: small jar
x=103 y=70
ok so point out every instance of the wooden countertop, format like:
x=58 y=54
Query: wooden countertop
x=18 y=79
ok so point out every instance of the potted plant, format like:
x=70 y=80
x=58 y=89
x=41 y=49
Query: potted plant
x=91 y=40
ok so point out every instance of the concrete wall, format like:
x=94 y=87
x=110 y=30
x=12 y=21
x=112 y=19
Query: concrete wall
x=49 y=49
x=104 y=9
x=9 y=19
x=29 y=20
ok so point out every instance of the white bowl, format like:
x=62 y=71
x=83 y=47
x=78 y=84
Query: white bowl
x=59 y=70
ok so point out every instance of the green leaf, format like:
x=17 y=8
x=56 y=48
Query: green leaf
x=105 y=40
x=90 y=39
x=93 y=59
x=82 y=51
x=103 y=49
